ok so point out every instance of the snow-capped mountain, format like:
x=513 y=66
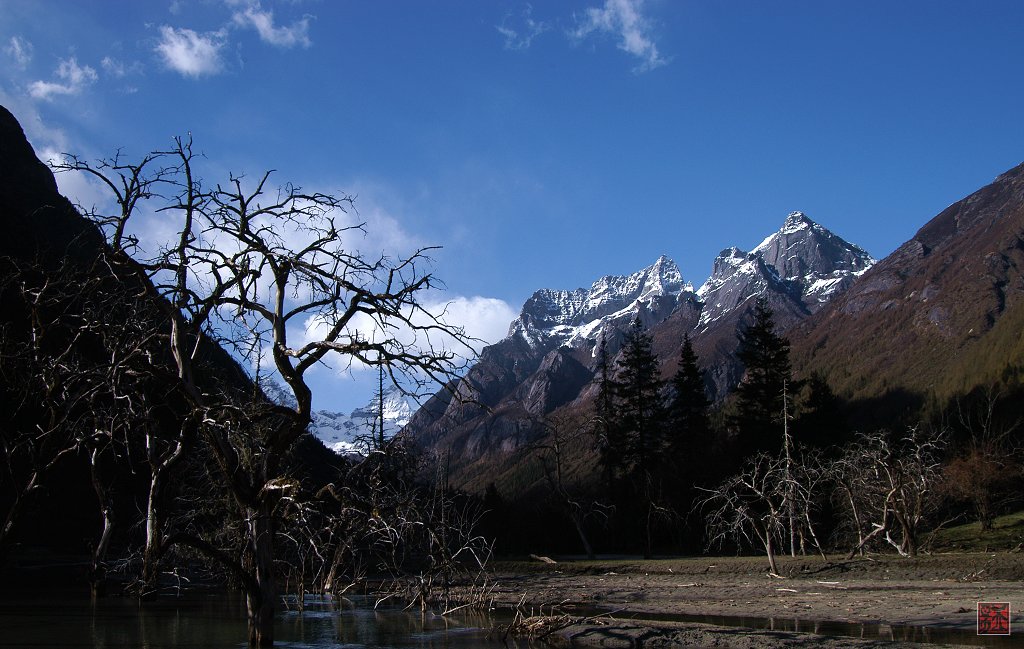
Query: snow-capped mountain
x=553 y=318
x=802 y=261
x=548 y=360
x=351 y=433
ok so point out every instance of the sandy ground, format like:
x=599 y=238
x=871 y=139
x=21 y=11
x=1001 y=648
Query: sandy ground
x=929 y=598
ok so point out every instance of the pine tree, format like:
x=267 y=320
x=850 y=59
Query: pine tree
x=609 y=432
x=639 y=403
x=641 y=414
x=688 y=410
x=820 y=422
x=768 y=375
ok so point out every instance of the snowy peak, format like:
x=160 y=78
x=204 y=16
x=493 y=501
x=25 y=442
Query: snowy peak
x=802 y=250
x=804 y=262
x=552 y=318
x=797 y=221
x=351 y=433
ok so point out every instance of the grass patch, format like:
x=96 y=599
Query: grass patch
x=1007 y=533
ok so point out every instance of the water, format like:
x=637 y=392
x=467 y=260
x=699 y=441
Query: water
x=217 y=621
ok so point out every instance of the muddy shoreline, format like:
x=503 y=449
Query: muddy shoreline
x=880 y=597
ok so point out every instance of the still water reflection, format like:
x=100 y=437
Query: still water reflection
x=218 y=622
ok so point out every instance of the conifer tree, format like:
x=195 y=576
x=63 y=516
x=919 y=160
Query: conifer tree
x=609 y=433
x=820 y=422
x=759 y=396
x=640 y=407
x=641 y=415
x=689 y=431
x=688 y=410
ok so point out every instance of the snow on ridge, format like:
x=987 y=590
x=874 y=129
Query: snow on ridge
x=571 y=317
x=802 y=258
x=350 y=434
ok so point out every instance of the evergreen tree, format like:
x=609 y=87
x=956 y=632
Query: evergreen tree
x=610 y=439
x=641 y=417
x=760 y=395
x=688 y=410
x=820 y=421
x=689 y=433
x=641 y=411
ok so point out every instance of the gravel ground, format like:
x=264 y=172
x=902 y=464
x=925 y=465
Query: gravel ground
x=860 y=602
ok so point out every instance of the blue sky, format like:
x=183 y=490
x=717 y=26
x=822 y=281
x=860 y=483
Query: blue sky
x=545 y=144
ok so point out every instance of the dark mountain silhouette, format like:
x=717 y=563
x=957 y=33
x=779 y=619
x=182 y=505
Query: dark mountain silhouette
x=46 y=237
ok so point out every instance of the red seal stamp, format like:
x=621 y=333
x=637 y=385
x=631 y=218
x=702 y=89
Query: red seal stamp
x=993 y=618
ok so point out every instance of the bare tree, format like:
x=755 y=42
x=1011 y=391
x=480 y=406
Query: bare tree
x=750 y=506
x=984 y=471
x=71 y=383
x=890 y=485
x=420 y=537
x=264 y=271
x=49 y=394
x=563 y=434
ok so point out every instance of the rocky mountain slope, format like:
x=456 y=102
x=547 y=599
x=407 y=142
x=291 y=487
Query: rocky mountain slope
x=548 y=360
x=940 y=315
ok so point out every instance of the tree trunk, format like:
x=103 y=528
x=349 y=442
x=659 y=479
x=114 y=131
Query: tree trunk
x=769 y=548
x=336 y=559
x=578 y=523
x=154 y=546
x=856 y=519
x=260 y=597
x=161 y=467
x=647 y=531
x=13 y=513
x=909 y=537
x=261 y=618
x=98 y=570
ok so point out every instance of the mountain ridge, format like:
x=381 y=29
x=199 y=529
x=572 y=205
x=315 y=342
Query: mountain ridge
x=548 y=360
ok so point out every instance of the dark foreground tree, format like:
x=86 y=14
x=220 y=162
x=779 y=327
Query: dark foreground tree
x=690 y=425
x=266 y=272
x=609 y=436
x=767 y=376
x=639 y=404
x=641 y=418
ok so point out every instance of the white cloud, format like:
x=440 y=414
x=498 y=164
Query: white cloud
x=522 y=38
x=253 y=15
x=73 y=78
x=119 y=69
x=623 y=19
x=483 y=318
x=113 y=67
x=190 y=53
x=85 y=191
x=20 y=50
